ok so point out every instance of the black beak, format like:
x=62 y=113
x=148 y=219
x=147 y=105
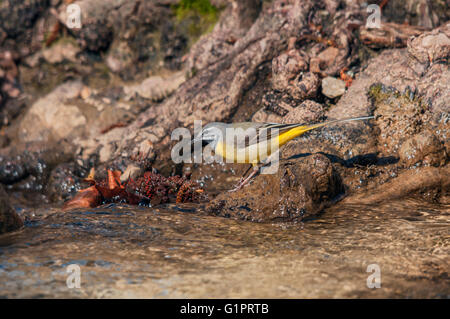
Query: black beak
x=200 y=139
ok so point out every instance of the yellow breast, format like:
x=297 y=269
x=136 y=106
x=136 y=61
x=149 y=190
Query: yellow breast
x=252 y=154
x=257 y=153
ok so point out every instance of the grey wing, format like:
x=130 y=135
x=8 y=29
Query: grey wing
x=258 y=132
x=244 y=133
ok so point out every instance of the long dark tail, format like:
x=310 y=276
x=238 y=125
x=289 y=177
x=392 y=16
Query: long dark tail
x=306 y=127
x=313 y=126
x=290 y=131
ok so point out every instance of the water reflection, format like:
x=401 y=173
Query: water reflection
x=175 y=251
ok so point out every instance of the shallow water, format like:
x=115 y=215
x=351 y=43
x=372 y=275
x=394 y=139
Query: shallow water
x=178 y=252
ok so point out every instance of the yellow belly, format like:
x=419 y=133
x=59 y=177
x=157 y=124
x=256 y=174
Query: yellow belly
x=253 y=154
x=257 y=153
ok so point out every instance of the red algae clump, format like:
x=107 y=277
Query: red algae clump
x=149 y=189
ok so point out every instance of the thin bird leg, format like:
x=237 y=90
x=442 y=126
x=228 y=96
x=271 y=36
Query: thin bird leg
x=245 y=181
x=243 y=175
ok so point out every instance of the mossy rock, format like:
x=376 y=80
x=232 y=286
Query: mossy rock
x=378 y=92
x=199 y=16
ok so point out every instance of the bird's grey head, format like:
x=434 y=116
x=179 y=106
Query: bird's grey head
x=211 y=134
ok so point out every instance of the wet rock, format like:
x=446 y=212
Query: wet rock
x=332 y=87
x=19 y=162
x=300 y=188
x=64 y=182
x=53 y=117
x=30 y=186
x=424 y=147
x=9 y=220
x=215 y=177
x=12 y=169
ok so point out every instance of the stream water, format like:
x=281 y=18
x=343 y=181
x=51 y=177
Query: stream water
x=178 y=252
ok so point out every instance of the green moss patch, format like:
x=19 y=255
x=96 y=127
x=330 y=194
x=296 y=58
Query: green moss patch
x=198 y=16
x=380 y=93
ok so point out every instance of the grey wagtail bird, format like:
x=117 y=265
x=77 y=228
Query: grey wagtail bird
x=254 y=143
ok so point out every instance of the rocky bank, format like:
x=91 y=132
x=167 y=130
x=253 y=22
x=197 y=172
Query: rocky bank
x=108 y=95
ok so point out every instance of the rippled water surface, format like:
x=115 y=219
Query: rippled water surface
x=177 y=252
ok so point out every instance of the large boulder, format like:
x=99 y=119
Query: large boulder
x=300 y=188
